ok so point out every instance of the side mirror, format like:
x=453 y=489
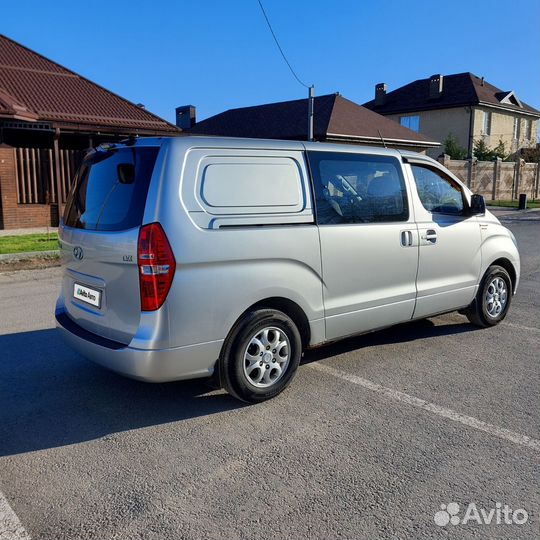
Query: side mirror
x=478 y=205
x=126 y=173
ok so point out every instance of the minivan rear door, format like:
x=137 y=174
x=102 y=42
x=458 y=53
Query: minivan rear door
x=99 y=237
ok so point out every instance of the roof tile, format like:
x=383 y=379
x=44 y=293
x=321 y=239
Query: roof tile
x=460 y=89
x=333 y=115
x=55 y=93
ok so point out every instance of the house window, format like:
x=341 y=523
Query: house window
x=486 y=123
x=411 y=122
x=528 y=129
x=517 y=128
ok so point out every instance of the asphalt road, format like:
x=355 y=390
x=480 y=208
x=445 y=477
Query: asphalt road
x=348 y=451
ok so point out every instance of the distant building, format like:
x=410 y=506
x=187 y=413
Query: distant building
x=336 y=119
x=49 y=116
x=464 y=105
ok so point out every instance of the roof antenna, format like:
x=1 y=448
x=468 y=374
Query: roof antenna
x=311 y=101
x=382 y=140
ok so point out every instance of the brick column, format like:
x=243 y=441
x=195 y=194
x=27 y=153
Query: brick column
x=8 y=187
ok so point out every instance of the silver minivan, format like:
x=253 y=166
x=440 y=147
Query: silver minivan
x=195 y=256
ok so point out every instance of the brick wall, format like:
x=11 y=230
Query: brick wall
x=12 y=214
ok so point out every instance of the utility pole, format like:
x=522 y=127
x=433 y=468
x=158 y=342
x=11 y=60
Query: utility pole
x=311 y=89
x=311 y=96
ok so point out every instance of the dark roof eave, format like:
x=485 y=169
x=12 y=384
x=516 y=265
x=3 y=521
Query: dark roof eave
x=525 y=112
x=431 y=107
x=68 y=127
x=17 y=116
x=434 y=106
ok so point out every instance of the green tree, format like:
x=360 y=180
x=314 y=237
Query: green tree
x=481 y=151
x=500 y=150
x=453 y=149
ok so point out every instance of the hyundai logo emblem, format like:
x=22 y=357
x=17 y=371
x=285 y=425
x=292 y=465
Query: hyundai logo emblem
x=78 y=253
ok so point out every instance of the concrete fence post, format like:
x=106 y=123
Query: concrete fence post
x=496 y=177
x=471 y=176
x=536 y=180
x=515 y=182
x=445 y=160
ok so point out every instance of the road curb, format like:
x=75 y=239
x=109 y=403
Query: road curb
x=15 y=257
x=505 y=211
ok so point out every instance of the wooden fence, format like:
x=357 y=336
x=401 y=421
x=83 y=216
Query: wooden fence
x=36 y=174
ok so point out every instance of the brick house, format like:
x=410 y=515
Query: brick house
x=49 y=117
x=336 y=119
x=463 y=105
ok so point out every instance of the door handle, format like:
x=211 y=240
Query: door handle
x=430 y=236
x=406 y=238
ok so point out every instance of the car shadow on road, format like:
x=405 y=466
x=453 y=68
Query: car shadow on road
x=401 y=333
x=50 y=396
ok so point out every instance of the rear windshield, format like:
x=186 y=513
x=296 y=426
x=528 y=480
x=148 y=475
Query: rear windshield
x=110 y=189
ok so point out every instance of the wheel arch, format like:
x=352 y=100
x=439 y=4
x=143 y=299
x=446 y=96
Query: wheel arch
x=291 y=309
x=285 y=305
x=509 y=267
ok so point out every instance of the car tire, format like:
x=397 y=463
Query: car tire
x=493 y=299
x=261 y=355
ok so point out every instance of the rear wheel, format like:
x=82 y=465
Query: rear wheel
x=493 y=299
x=261 y=356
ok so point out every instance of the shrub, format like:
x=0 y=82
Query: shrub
x=453 y=149
x=483 y=153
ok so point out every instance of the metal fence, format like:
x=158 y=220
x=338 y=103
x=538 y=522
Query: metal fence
x=39 y=176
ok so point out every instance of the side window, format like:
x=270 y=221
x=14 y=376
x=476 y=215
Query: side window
x=438 y=193
x=357 y=188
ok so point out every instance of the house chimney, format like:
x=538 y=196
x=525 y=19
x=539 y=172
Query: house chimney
x=380 y=93
x=435 y=86
x=185 y=116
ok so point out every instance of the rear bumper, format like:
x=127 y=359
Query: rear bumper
x=159 y=365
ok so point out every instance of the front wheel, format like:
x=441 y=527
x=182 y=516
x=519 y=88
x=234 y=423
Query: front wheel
x=493 y=299
x=261 y=356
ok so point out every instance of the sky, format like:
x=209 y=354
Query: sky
x=219 y=55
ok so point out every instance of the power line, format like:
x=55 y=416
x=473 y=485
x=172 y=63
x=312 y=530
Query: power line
x=279 y=46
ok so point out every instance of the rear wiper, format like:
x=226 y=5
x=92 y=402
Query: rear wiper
x=105 y=202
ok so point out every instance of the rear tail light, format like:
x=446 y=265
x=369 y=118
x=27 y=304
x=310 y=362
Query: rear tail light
x=156 y=266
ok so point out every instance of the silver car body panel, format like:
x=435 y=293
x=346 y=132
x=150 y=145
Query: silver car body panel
x=234 y=252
